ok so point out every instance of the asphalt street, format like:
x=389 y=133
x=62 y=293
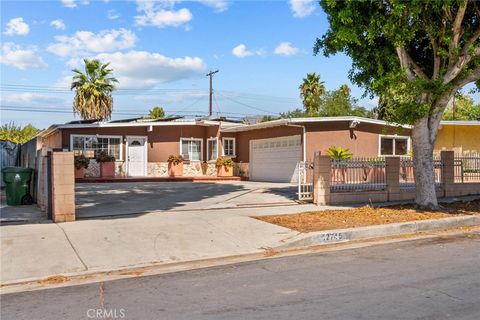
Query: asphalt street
x=435 y=278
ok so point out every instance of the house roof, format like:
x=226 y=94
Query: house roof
x=139 y=122
x=460 y=123
x=298 y=121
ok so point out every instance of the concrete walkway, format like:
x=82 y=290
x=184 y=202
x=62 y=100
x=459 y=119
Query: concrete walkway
x=41 y=250
x=108 y=199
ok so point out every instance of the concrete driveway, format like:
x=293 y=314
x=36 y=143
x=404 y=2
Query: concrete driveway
x=108 y=199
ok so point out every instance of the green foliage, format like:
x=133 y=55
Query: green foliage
x=341 y=103
x=226 y=162
x=81 y=162
x=267 y=118
x=331 y=104
x=18 y=134
x=103 y=156
x=156 y=113
x=172 y=159
x=374 y=33
x=93 y=96
x=462 y=108
x=296 y=113
x=311 y=92
x=339 y=153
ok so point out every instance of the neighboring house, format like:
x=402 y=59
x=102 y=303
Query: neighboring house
x=268 y=151
x=461 y=136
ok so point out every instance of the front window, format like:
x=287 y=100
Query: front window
x=212 y=149
x=229 y=147
x=89 y=146
x=192 y=149
x=393 y=146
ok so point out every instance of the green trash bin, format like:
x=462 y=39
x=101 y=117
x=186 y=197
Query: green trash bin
x=17 y=181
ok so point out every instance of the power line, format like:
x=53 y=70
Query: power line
x=120 y=112
x=247 y=105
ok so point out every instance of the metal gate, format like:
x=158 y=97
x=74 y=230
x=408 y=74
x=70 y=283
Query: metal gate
x=305 y=181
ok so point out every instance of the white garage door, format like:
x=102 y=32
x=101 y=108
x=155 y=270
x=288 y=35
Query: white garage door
x=275 y=159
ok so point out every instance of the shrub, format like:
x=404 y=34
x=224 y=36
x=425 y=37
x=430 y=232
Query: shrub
x=81 y=162
x=175 y=159
x=226 y=162
x=339 y=153
x=102 y=156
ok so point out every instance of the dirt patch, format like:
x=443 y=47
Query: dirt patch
x=54 y=280
x=367 y=216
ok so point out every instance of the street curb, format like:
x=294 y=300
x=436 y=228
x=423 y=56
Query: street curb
x=298 y=243
x=364 y=233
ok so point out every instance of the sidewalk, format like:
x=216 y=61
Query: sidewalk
x=33 y=251
x=41 y=250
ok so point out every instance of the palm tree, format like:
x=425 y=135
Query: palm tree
x=311 y=91
x=93 y=98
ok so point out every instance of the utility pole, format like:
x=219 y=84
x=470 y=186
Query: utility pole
x=210 y=74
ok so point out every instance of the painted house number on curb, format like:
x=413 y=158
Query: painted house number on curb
x=333 y=236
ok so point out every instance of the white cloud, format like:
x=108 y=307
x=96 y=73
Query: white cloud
x=112 y=14
x=69 y=3
x=16 y=26
x=241 y=51
x=21 y=58
x=163 y=18
x=286 y=49
x=58 y=24
x=141 y=69
x=73 y=3
x=218 y=5
x=85 y=42
x=302 y=8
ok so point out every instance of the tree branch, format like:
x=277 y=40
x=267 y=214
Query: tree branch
x=473 y=76
x=408 y=64
x=464 y=58
x=457 y=27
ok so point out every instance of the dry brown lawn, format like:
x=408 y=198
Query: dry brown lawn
x=367 y=216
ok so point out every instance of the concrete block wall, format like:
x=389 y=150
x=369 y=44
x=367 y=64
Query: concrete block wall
x=63 y=187
x=392 y=192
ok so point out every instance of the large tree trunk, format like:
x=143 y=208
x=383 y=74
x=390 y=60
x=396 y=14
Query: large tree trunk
x=425 y=196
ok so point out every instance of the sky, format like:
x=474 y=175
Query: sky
x=160 y=52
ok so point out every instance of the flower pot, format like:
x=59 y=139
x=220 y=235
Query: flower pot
x=224 y=171
x=107 y=169
x=79 y=173
x=175 y=170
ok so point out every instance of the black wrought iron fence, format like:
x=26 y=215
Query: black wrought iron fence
x=467 y=168
x=357 y=174
x=407 y=179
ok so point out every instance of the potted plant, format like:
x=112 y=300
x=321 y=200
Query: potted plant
x=339 y=156
x=224 y=166
x=107 y=164
x=81 y=163
x=175 y=166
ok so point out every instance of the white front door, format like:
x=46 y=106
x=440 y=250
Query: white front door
x=136 y=156
x=275 y=159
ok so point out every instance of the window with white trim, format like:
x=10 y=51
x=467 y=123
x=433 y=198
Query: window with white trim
x=229 y=147
x=212 y=149
x=393 y=146
x=89 y=146
x=191 y=149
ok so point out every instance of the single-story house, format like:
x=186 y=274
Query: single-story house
x=461 y=136
x=267 y=151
